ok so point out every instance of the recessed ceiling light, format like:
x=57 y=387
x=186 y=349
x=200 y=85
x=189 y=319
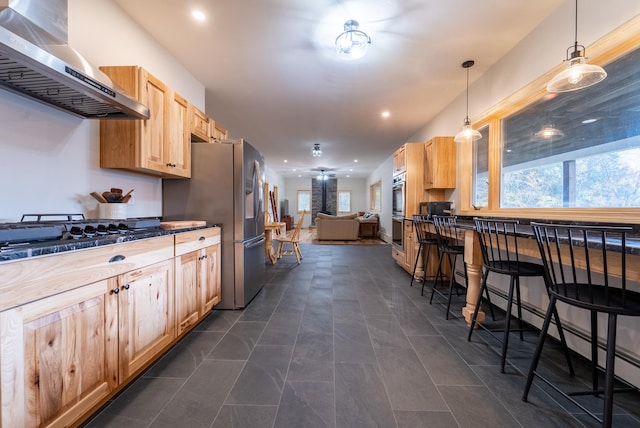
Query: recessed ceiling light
x=294 y=169
x=586 y=121
x=285 y=161
x=198 y=15
x=348 y=176
x=355 y=160
x=299 y=175
x=385 y=114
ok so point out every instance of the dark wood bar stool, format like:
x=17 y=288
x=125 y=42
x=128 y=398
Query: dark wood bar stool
x=425 y=239
x=448 y=236
x=499 y=247
x=587 y=267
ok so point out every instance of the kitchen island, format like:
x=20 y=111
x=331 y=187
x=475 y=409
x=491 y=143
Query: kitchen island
x=78 y=325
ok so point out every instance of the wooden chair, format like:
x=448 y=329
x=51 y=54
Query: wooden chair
x=292 y=239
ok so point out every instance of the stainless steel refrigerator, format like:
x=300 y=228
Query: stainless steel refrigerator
x=226 y=188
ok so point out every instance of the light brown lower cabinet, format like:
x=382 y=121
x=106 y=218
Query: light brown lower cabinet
x=65 y=354
x=59 y=357
x=197 y=276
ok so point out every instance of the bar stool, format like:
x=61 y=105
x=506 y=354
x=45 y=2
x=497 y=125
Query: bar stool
x=448 y=237
x=500 y=255
x=425 y=239
x=587 y=268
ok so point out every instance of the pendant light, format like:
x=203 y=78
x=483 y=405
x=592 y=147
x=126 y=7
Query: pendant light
x=578 y=74
x=467 y=133
x=547 y=133
x=316 y=152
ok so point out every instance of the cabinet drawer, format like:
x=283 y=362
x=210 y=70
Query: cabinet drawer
x=27 y=280
x=196 y=240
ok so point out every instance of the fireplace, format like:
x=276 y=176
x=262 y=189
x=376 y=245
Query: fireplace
x=324 y=196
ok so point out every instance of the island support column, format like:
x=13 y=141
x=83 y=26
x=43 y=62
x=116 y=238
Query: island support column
x=473 y=259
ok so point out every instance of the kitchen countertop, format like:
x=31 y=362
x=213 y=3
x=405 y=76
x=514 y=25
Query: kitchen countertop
x=60 y=246
x=526 y=231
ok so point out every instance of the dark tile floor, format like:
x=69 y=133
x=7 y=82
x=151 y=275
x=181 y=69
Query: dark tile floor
x=343 y=341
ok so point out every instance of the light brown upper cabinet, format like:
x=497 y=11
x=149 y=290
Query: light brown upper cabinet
x=399 y=161
x=199 y=123
x=157 y=146
x=440 y=163
x=217 y=132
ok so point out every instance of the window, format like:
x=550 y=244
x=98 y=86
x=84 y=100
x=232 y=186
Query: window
x=304 y=200
x=375 y=196
x=578 y=149
x=344 y=201
x=480 y=191
x=573 y=155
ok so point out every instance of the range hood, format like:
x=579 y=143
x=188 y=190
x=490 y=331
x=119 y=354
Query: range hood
x=36 y=61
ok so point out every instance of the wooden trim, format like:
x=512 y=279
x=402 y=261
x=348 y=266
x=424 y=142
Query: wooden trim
x=612 y=46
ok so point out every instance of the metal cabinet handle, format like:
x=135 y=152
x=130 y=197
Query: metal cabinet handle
x=115 y=291
x=126 y=287
x=117 y=258
x=202 y=238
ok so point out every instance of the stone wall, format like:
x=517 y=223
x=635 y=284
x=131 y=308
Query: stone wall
x=316 y=197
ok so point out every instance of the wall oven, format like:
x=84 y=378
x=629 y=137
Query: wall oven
x=397 y=211
x=398 y=194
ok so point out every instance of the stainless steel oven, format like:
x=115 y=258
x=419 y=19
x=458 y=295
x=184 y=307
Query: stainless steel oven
x=398 y=194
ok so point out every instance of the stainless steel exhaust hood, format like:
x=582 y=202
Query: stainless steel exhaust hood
x=36 y=61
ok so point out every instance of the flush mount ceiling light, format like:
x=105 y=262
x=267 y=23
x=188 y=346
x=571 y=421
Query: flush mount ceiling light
x=316 y=152
x=578 y=74
x=352 y=43
x=548 y=133
x=467 y=133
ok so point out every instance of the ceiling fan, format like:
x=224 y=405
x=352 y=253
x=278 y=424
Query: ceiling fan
x=324 y=172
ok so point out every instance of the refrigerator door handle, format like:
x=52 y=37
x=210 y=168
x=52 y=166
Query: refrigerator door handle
x=258 y=240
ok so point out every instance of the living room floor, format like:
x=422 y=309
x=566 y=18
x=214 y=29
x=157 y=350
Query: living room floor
x=341 y=340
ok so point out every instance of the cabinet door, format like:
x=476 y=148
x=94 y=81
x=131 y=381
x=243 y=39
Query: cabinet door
x=409 y=246
x=178 y=148
x=187 y=278
x=146 y=315
x=440 y=163
x=153 y=153
x=198 y=124
x=210 y=278
x=59 y=356
x=399 y=160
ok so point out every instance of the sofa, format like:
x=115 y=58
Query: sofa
x=337 y=228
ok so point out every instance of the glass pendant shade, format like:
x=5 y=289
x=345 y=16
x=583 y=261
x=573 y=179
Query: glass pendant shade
x=352 y=43
x=579 y=74
x=316 y=152
x=467 y=134
x=548 y=133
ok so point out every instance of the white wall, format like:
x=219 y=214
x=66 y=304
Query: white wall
x=359 y=193
x=49 y=160
x=383 y=173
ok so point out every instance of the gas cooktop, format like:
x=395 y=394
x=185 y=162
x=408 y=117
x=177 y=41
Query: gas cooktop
x=46 y=227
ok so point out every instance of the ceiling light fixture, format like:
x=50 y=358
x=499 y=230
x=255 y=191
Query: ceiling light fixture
x=352 y=43
x=467 y=133
x=578 y=74
x=316 y=152
x=548 y=133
